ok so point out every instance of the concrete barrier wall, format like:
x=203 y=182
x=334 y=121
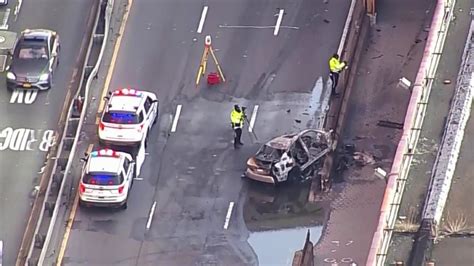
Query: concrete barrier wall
x=352 y=40
x=453 y=135
x=411 y=131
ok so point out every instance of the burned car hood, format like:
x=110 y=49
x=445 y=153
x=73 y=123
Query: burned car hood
x=272 y=151
x=29 y=68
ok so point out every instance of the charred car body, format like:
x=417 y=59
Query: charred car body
x=296 y=157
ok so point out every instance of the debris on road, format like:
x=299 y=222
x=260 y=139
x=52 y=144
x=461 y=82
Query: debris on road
x=363 y=159
x=390 y=124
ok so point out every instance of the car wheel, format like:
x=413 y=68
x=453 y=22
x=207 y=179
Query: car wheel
x=125 y=205
x=295 y=174
x=50 y=83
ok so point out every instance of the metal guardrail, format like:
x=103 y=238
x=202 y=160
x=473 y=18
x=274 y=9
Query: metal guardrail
x=446 y=159
x=411 y=132
x=31 y=238
x=66 y=147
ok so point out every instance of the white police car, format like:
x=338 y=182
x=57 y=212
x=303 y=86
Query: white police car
x=107 y=177
x=128 y=116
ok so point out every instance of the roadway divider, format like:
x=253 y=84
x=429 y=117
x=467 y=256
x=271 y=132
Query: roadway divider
x=353 y=39
x=37 y=237
x=411 y=131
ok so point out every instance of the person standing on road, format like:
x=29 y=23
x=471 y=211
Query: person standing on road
x=335 y=67
x=237 y=117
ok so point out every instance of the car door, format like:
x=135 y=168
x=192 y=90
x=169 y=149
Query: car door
x=53 y=48
x=140 y=158
x=149 y=111
x=127 y=173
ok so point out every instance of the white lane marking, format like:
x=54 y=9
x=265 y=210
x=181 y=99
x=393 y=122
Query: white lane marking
x=138 y=178
x=176 y=117
x=256 y=27
x=203 y=18
x=29 y=96
x=278 y=24
x=253 y=118
x=17 y=8
x=21 y=139
x=229 y=213
x=5 y=15
x=150 y=216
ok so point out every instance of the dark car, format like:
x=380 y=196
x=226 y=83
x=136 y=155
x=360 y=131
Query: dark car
x=34 y=59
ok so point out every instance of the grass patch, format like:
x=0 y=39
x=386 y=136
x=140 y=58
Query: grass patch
x=455 y=225
x=408 y=224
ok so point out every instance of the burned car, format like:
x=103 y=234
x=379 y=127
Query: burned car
x=295 y=157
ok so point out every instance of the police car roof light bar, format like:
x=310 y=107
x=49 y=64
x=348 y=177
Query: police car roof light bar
x=127 y=92
x=104 y=153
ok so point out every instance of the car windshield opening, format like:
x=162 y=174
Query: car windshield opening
x=32 y=52
x=267 y=153
x=98 y=178
x=121 y=118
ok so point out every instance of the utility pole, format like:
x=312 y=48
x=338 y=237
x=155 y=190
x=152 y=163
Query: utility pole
x=370 y=8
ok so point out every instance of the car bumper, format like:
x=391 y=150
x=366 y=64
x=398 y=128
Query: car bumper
x=259 y=177
x=40 y=85
x=119 y=142
x=97 y=202
x=107 y=140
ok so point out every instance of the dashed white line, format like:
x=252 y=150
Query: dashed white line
x=150 y=216
x=256 y=27
x=278 y=24
x=176 y=117
x=17 y=8
x=229 y=213
x=203 y=18
x=253 y=118
x=5 y=15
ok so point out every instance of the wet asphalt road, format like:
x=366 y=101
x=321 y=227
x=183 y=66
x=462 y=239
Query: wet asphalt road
x=20 y=167
x=194 y=173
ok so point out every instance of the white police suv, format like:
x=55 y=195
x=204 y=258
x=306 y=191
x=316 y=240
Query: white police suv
x=128 y=116
x=107 y=177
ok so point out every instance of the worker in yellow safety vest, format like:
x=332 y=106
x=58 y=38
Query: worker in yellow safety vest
x=237 y=117
x=335 y=67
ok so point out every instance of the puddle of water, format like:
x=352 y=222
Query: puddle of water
x=278 y=219
x=274 y=248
